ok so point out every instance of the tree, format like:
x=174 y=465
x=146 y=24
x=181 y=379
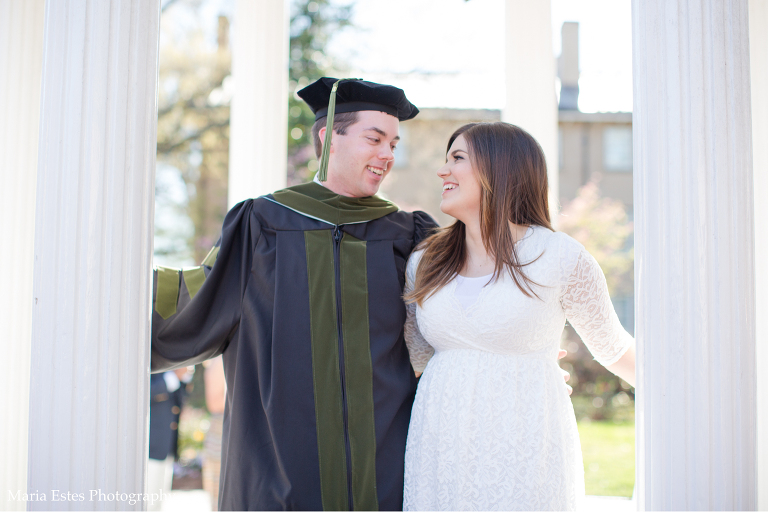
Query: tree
x=193 y=123
x=193 y=117
x=602 y=226
x=312 y=25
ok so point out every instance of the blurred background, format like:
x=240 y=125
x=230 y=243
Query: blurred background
x=448 y=57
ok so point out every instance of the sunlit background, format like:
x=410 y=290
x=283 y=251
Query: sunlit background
x=448 y=55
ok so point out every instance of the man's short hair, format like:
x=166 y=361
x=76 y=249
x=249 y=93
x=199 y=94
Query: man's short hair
x=341 y=122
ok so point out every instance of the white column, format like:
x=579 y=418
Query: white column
x=530 y=67
x=694 y=256
x=21 y=58
x=258 y=143
x=758 y=51
x=89 y=382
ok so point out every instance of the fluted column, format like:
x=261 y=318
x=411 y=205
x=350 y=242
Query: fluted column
x=530 y=70
x=93 y=246
x=258 y=127
x=21 y=57
x=758 y=51
x=694 y=255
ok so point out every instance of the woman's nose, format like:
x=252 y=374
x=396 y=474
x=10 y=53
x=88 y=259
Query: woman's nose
x=443 y=171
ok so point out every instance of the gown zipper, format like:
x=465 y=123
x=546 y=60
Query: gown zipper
x=337 y=236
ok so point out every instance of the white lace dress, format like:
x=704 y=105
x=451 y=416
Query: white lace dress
x=492 y=426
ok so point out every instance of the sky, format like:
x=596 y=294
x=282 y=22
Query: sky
x=444 y=53
x=450 y=53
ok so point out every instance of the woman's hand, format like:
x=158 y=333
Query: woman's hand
x=566 y=375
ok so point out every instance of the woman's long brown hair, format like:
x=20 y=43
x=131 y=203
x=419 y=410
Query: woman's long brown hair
x=512 y=171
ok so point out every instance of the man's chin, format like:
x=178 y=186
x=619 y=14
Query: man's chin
x=371 y=189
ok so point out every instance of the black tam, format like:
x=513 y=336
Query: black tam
x=354 y=95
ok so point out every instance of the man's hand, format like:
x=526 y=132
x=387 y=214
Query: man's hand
x=566 y=375
x=185 y=374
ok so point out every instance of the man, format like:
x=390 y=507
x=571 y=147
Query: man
x=167 y=392
x=302 y=296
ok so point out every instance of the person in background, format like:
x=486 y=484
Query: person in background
x=167 y=392
x=215 y=397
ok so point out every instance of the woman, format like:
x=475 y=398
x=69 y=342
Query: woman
x=492 y=424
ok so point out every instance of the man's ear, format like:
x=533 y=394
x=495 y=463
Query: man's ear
x=321 y=136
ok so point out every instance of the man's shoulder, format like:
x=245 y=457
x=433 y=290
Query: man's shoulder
x=417 y=216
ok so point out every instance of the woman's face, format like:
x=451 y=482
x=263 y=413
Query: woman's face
x=461 y=188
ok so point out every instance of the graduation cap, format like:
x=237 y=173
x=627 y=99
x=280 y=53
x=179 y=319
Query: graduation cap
x=326 y=96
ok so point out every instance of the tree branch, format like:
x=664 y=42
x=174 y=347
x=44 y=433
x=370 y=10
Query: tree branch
x=189 y=103
x=171 y=146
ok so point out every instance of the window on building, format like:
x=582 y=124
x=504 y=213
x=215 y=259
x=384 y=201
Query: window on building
x=617 y=148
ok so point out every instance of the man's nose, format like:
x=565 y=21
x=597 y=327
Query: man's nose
x=387 y=154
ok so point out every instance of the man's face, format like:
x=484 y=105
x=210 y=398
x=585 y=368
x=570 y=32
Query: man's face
x=361 y=158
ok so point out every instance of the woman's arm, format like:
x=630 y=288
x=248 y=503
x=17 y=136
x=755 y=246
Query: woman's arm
x=419 y=350
x=625 y=366
x=588 y=307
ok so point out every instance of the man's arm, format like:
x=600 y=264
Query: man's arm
x=195 y=311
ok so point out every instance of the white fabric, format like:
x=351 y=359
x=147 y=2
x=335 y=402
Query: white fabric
x=171 y=381
x=468 y=289
x=492 y=424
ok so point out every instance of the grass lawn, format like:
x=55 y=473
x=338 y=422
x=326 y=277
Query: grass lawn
x=609 y=457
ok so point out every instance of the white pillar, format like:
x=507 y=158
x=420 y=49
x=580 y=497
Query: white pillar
x=530 y=69
x=258 y=143
x=694 y=255
x=89 y=382
x=758 y=51
x=21 y=58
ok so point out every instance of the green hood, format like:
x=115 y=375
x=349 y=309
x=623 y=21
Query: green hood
x=318 y=202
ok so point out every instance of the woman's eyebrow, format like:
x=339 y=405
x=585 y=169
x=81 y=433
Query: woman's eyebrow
x=457 y=151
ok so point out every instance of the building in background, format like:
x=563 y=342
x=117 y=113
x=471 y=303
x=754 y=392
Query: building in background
x=592 y=147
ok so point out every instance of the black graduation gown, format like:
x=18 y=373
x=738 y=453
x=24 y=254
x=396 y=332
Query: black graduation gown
x=303 y=296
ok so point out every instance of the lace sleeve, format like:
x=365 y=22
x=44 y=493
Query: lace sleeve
x=588 y=308
x=419 y=350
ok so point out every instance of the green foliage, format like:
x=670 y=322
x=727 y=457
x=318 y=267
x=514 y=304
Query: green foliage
x=606 y=403
x=193 y=121
x=312 y=25
x=608 y=449
x=602 y=226
x=192 y=429
x=193 y=116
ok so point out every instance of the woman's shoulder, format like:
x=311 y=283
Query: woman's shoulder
x=545 y=238
x=556 y=239
x=414 y=258
x=560 y=249
x=413 y=264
